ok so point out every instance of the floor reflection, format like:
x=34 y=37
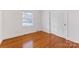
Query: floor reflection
x=28 y=44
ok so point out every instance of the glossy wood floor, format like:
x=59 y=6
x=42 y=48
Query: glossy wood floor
x=40 y=40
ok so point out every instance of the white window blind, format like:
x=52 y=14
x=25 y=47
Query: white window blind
x=27 y=18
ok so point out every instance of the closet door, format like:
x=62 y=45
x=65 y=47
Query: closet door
x=59 y=23
x=73 y=25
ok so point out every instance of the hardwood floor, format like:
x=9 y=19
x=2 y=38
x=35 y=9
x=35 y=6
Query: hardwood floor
x=40 y=40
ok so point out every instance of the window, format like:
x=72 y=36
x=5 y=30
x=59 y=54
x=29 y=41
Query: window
x=27 y=18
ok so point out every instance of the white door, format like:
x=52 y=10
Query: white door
x=73 y=25
x=59 y=23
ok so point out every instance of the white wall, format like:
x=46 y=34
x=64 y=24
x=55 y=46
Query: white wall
x=12 y=23
x=1 y=33
x=45 y=20
x=73 y=25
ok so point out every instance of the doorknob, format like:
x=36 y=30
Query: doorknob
x=64 y=24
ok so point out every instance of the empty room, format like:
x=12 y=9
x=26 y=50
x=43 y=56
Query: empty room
x=39 y=29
